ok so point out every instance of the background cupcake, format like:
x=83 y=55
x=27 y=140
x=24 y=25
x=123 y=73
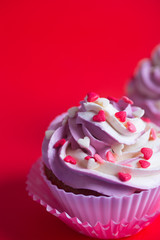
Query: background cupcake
x=144 y=88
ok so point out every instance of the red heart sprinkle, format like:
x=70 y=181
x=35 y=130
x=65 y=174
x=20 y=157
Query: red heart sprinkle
x=152 y=134
x=59 y=143
x=110 y=157
x=147 y=153
x=87 y=157
x=113 y=99
x=100 y=117
x=131 y=127
x=98 y=158
x=144 y=163
x=146 y=119
x=124 y=176
x=121 y=116
x=92 y=96
x=70 y=159
x=127 y=100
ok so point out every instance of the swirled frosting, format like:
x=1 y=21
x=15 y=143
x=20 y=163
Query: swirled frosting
x=144 y=88
x=105 y=146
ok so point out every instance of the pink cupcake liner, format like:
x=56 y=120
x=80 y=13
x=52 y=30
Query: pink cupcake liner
x=85 y=214
x=103 y=209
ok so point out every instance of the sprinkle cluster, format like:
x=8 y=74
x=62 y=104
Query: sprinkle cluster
x=121 y=115
x=101 y=116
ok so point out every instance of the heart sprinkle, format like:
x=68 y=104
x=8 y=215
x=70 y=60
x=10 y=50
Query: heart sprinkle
x=87 y=157
x=127 y=100
x=147 y=153
x=110 y=157
x=59 y=143
x=124 y=176
x=48 y=134
x=100 y=117
x=92 y=97
x=121 y=116
x=84 y=142
x=113 y=99
x=152 y=134
x=103 y=102
x=98 y=158
x=70 y=159
x=131 y=127
x=144 y=163
x=146 y=119
x=72 y=112
x=92 y=164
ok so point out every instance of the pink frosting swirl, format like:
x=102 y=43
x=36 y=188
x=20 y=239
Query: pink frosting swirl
x=103 y=146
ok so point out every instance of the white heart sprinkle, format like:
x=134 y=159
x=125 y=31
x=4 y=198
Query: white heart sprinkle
x=92 y=164
x=117 y=148
x=72 y=112
x=103 y=102
x=48 y=134
x=84 y=142
x=138 y=113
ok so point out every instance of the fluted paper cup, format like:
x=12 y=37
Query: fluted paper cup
x=101 y=217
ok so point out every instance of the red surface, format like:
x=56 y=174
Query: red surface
x=51 y=54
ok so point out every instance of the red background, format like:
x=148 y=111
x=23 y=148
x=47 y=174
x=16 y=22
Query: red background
x=51 y=54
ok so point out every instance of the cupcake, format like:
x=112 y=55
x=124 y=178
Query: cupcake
x=100 y=165
x=144 y=88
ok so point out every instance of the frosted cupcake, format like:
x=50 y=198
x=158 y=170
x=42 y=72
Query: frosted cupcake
x=144 y=88
x=100 y=161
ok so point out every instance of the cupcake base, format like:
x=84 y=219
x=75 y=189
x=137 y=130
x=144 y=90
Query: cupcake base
x=55 y=181
x=39 y=190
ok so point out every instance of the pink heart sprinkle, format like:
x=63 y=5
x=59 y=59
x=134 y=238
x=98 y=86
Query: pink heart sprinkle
x=98 y=158
x=127 y=100
x=92 y=96
x=144 y=163
x=110 y=157
x=113 y=99
x=147 y=153
x=100 y=117
x=87 y=157
x=121 y=116
x=70 y=159
x=152 y=134
x=146 y=119
x=124 y=176
x=59 y=143
x=131 y=127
